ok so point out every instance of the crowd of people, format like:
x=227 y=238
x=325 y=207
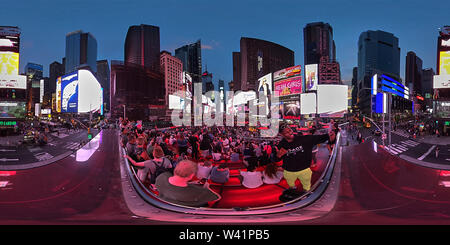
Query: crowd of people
x=178 y=161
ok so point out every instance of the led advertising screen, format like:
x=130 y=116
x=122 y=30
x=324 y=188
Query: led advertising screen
x=265 y=84
x=13 y=81
x=332 y=100
x=444 y=63
x=290 y=107
x=292 y=71
x=9 y=63
x=308 y=103
x=175 y=102
x=69 y=93
x=12 y=110
x=58 y=94
x=311 y=77
x=89 y=92
x=441 y=81
x=288 y=86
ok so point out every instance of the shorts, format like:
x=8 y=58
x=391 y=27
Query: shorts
x=304 y=176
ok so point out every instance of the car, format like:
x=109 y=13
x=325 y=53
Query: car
x=377 y=132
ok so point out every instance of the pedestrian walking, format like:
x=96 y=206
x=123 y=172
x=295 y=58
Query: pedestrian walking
x=437 y=151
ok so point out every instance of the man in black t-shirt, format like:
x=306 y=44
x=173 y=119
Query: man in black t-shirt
x=296 y=153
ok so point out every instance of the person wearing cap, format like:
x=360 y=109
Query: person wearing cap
x=296 y=153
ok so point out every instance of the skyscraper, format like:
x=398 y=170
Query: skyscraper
x=236 y=71
x=103 y=76
x=56 y=70
x=378 y=52
x=413 y=73
x=258 y=58
x=191 y=57
x=172 y=70
x=207 y=82
x=142 y=46
x=318 y=42
x=81 y=51
x=319 y=48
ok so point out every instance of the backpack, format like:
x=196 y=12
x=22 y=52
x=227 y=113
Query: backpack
x=159 y=170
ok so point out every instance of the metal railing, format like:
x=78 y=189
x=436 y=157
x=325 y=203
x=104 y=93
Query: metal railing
x=316 y=191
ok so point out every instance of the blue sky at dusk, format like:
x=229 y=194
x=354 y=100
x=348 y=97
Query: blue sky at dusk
x=220 y=25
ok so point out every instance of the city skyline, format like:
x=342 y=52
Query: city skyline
x=220 y=27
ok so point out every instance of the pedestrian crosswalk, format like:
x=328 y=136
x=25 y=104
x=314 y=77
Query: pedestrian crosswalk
x=401 y=133
x=402 y=146
x=72 y=145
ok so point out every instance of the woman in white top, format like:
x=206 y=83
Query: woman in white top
x=251 y=178
x=203 y=170
x=271 y=174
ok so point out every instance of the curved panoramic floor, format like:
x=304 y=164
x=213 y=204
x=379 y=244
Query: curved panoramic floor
x=368 y=186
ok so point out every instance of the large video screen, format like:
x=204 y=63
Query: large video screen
x=13 y=81
x=332 y=100
x=290 y=107
x=444 y=63
x=90 y=97
x=292 y=71
x=175 y=102
x=80 y=92
x=69 y=93
x=12 y=110
x=308 y=103
x=58 y=94
x=9 y=63
x=288 y=86
x=265 y=84
x=311 y=77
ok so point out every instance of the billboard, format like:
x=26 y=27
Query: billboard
x=9 y=63
x=176 y=102
x=290 y=107
x=79 y=92
x=12 y=110
x=13 y=81
x=441 y=81
x=308 y=103
x=332 y=100
x=288 y=86
x=58 y=94
x=444 y=63
x=69 y=93
x=292 y=71
x=311 y=77
x=265 y=84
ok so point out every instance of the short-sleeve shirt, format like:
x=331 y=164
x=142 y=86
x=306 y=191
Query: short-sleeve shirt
x=192 y=195
x=252 y=179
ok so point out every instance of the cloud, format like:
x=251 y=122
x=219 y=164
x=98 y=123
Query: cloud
x=207 y=47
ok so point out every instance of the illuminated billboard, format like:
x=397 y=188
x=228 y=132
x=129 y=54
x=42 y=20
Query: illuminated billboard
x=58 y=94
x=79 y=92
x=293 y=71
x=12 y=110
x=444 y=63
x=332 y=100
x=69 y=93
x=288 y=86
x=9 y=63
x=176 y=102
x=13 y=81
x=311 y=77
x=308 y=103
x=265 y=84
x=290 y=107
x=441 y=81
